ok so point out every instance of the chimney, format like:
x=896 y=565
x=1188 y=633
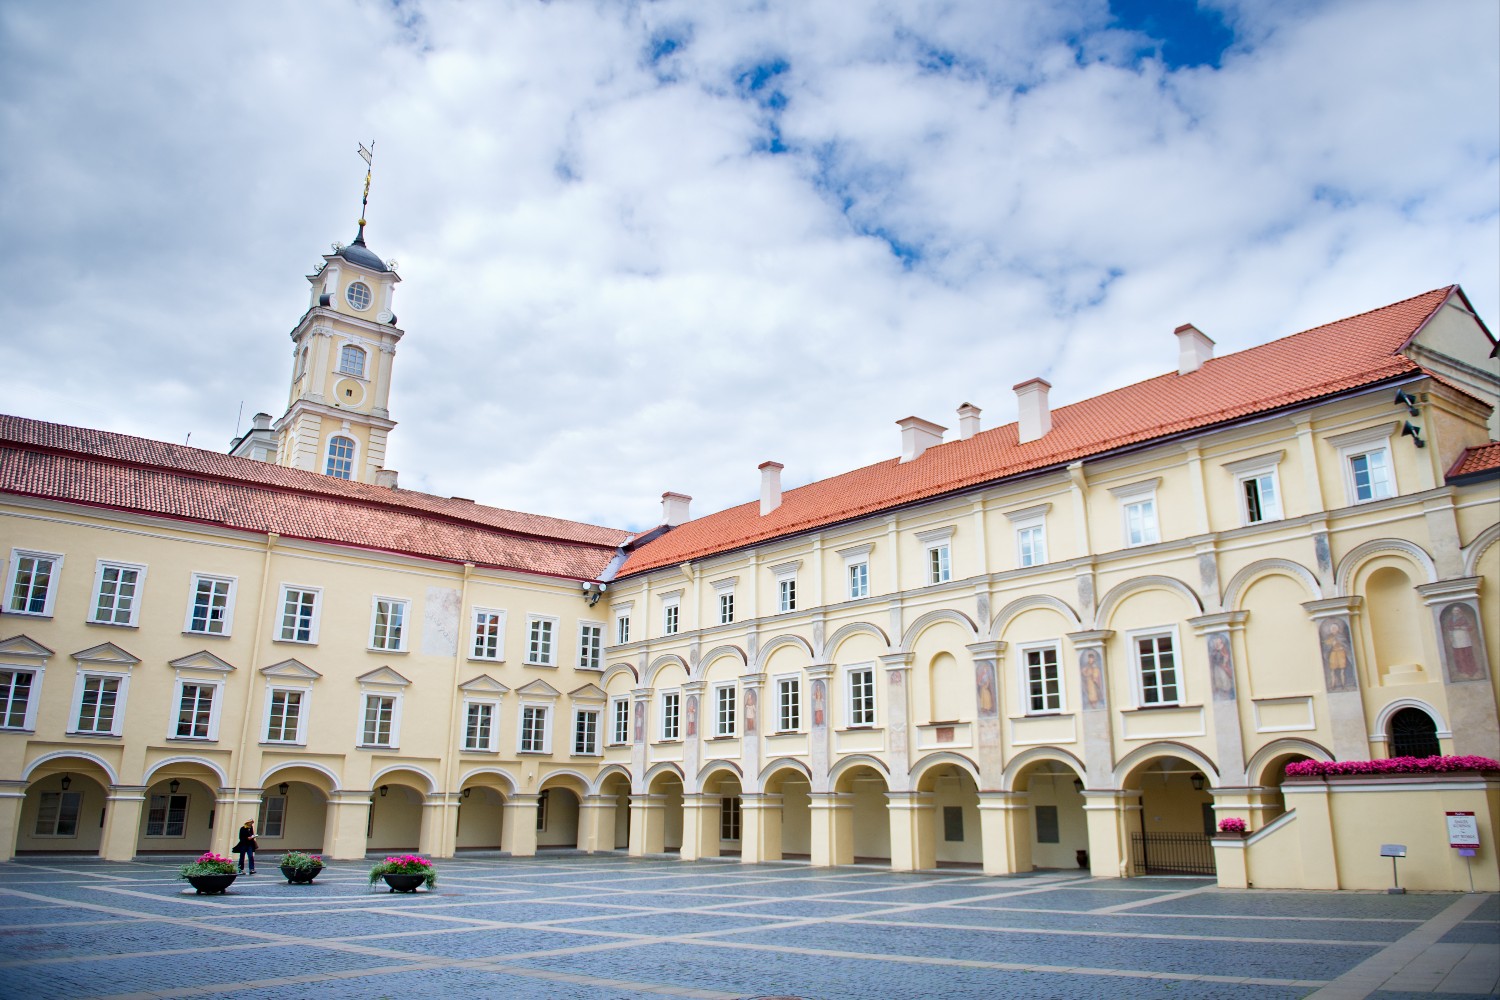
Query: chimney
x=386 y=478
x=968 y=421
x=674 y=509
x=1193 y=348
x=261 y=422
x=770 y=486
x=1033 y=417
x=917 y=435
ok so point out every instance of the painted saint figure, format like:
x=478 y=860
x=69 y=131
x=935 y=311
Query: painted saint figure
x=640 y=722
x=984 y=682
x=1091 y=672
x=692 y=715
x=1221 y=666
x=820 y=703
x=749 y=711
x=1461 y=642
x=1338 y=655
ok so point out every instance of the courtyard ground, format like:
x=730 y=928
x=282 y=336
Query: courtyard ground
x=607 y=926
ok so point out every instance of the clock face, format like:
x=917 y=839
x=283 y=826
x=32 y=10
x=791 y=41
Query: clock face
x=348 y=392
x=359 y=296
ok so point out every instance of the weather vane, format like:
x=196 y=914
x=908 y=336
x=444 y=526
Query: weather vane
x=369 y=156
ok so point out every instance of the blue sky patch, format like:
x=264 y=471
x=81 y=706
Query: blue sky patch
x=1187 y=34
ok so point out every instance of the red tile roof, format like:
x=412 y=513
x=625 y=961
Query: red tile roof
x=1476 y=461
x=117 y=471
x=1354 y=352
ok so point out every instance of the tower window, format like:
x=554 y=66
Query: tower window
x=359 y=296
x=340 y=458
x=352 y=361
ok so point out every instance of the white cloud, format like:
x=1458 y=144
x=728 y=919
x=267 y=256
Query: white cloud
x=612 y=287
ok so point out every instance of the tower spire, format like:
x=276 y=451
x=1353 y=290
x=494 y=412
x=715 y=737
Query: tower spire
x=369 y=156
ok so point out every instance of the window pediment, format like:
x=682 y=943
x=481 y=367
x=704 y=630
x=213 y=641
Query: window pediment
x=106 y=654
x=291 y=670
x=483 y=684
x=24 y=646
x=202 y=660
x=539 y=689
x=383 y=676
x=589 y=692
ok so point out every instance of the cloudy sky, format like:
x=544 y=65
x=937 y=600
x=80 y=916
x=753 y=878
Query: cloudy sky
x=647 y=246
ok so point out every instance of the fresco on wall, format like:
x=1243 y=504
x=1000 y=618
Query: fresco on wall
x=1091 y=677
x=819 y=703
x=984 y=689
x=640 y=722
x=1338 y=655
x=1461 y=645
x=692 y=715
x=749 y=711
x=1221 y=666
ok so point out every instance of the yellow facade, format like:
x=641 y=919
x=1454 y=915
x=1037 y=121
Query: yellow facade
x=940 y=685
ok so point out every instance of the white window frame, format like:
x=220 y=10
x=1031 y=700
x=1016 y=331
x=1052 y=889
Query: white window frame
x=345 y=351
x=590 y=645
x=134 y=610
x=669 y=717
x=789 y=683
x=216 y=689
x=394 y=739
x=1135 y=496
x=403 y=627
x=724 y=600
x=50 y=598
x=1024 y=675
x=721 y=730
x=1023 y=522
x=479 y=637
x=299 y=738
x=316 y=617
x=117 y=723
x=33 y=696
x=937 y=555
x=592 y=749
x=492 y=744
x=541 y=653
x=353 y=455
x=619 y=726
x=785 y=575
x=226 y=619
x=545 y=708
x=671 y=613
x=1255 y=469
x=853 y=718
x=1362 y=443
x=1136 y=674
x=622 y=629
x=62 y=797
x=856 y=570
x=166 y=819
x=264 y=826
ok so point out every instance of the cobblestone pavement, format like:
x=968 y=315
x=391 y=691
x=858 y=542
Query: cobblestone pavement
x=606 y=926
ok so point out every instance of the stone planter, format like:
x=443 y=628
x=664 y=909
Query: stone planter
x=1082 y=857
x=301 y=876
x=404 y=883
x=209 y=885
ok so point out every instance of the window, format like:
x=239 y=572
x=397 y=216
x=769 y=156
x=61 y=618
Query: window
x=861 y=696
x=479 y=726
x=167 y=816
x=1046 y=825
x=534 y=735
x=953 y=824
x=1256 y=483
x=539 y=640
x=620 y=709
x=730 y=816
x=100 y=698
x=359 y=295
x=1413 y=734
x=1138 y=510
x=1031 y=545
x=212 y=609
x=586 y=732
x=30 y=590
x=788 y=705
x=725 y=698
x=726 y=608
x=622 y=629
x=786 y=594
x=16 y=703
x=352 y=361
x=388 y=625
x=671 y=715
x=299 y=614
x=284 y=716
x=272 y=817
x=117 y=593
x=57 y=814
x=1156 y=666
x=670 y=618
x=1043 y=681
x=489 y=634
x=340 y=458
x=195 y=712
x=859 y=580
x=380 y=721
x=590 y=646
x=1366 y=456
x=938 y=568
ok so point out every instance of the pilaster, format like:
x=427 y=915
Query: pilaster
x=1459 y=627
x=1093 y=703
x=1333 y=619
x=898 y=692
x=518 y=825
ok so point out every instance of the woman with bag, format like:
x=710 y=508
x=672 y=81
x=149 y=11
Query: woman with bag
x=246 y=847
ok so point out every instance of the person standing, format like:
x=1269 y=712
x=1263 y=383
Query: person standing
x=246 y=847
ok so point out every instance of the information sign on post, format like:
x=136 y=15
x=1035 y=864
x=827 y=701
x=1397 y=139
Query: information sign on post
x=1463 y=829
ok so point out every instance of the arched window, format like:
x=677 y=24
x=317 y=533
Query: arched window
x=1414 y=734
x=352 y=361
x=340 y=458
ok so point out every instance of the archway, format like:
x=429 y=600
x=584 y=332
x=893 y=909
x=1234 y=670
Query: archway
x=1176 y=818
x=1413 y=733
x=180 y=813
x=724 y=815
x=862 y=833
x=557 y=812
x=395 y=822
x=1271 y=777
x=1055 y=831
x=293 y=813
x=481 y=815
x=615 y=790
x=664 y=820
x=63 y=812
x=792 y=835
x=952 y=828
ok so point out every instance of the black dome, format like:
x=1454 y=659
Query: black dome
x=358 y=253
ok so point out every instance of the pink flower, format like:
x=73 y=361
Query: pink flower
x=1391 y=765
x=1232 y=825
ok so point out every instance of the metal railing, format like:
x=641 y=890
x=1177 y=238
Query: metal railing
x=1172 y=854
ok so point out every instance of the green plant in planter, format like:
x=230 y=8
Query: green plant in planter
x=207 y=864
x=405 y=864
x=301 y=860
